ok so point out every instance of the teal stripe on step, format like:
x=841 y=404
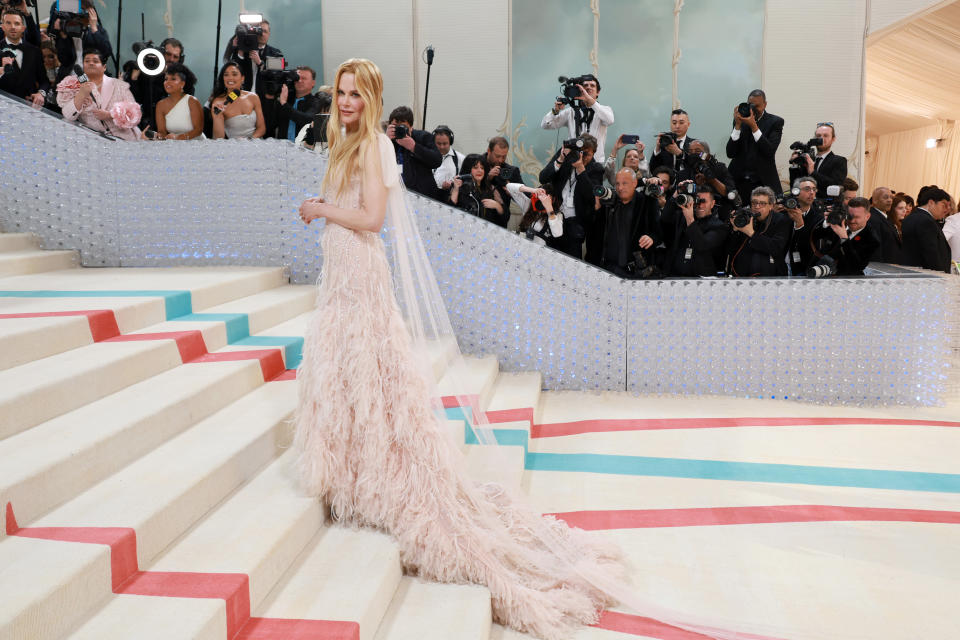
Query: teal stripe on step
x=292 y=346
x=745 y=471
x=176 y=303
x=237 y=324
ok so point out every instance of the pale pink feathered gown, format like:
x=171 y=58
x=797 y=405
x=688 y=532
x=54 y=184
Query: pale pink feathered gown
x=370 y=447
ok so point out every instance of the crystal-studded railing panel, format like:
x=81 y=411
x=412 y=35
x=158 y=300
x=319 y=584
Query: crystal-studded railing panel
x=873 y=341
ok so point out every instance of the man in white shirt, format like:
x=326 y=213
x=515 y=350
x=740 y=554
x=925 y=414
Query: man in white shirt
x=450 y=165
x=585 y=116
x=673 y=155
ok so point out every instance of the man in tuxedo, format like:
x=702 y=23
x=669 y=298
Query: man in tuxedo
x=890 y=249
x=32 y=34
x=502 y=173
x=849 y=245
x=574 y=176
x=416 y=152
x=21 y=66
x=827 y=168
x=752 y=147
x=924 y=244
x=252 y=62
x=674 y=155
x=758 y=247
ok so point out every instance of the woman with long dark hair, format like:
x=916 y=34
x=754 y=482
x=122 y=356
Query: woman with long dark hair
x=235 y=113
x=472 y=190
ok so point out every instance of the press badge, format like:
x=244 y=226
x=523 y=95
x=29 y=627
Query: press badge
x=772 y=261
x=688 y=254
x=796 y=256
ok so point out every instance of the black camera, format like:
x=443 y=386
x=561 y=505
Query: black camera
x=686 y=192
x=575 y=145
x=745 y=109
x=638 y=267
x=707 y=168
x=248 y=37
x=400 y=131
x=604 y=193
x=72 y=24
x=653 y=189
x=14 y=3
x=836 y=213
x=9 y=53
x=826 y=266
x=789 y=199
x=274 y=79
x=666 y=138
x=743 y=216
x=569 y=88
x=804 y=150
x=317 y=133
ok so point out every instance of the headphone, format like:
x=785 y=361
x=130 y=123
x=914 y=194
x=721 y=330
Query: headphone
x=176 y=43
x=444 y=130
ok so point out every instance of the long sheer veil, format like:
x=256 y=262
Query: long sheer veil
x=418 y=296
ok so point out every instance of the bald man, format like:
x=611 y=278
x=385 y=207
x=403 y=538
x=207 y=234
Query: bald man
x=891 y=245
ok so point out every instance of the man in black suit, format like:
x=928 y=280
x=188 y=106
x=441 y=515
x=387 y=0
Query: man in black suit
x=297 y=111
x=695 y=236
x=752 y=147
x=758 y=248
x=416 y=152
x=502 y=173
x=890 y=249
x=32 y=34
x=574 y=176
x=674 y=155
x=21 y=66
x=252 y=62
x=848 y=245
x=806 y=217
x=827 y=168
x=631 y=223
x=924 y=244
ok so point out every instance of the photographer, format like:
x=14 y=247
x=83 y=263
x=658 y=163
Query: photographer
x=21 y=64
x=631 y=225
x=31 y=34
x=75 y=34
x=251 y=60
x=540 y=223
x=415 y=150
x=752 y=147
x=697 y=236
x=450 y=159
x=473 y=191
x=827 y=168
x=632 y=159
x=671 y=148
x=501 y=173
x=806 y=216
x=292 y=115
x=581 y=113
x=707 y=171
x=759 y=239
x=843 y=246
x=850 y=190
x=149 y=90
x=667 y=179
x=573 y=175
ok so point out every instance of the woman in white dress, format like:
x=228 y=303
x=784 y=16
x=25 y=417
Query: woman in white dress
x=179 y=115
x=236 y=113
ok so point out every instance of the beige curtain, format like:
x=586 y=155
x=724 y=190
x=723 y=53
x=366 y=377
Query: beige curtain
x=902 y=161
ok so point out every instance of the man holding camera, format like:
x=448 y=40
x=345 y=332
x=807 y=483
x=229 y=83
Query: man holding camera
x=707 y=171
x=501 y=174
x=574 y=174
x=760 y=237
x=823 y=165
x=75 y=33
x=416 y=153
x=842 y=243
x=671 y=149
x=630 y=223
x=21 y=65
x=694 y=234
x=752 y=147
x=806 y=216
x=252 y=59
x=890 y=249
x=924 y=244
x=583 y=115
x=450 y=162
x=291 y=115
x=148 y=90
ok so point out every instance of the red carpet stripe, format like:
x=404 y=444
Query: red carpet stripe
x=648 y=627
x=288 y=374
x=511 y=415
x=271 y=360
x=190 y=343
x=646 y=424
x=232 y=588
x=655 y=518
x=103 y=322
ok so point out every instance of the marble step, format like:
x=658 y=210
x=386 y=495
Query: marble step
x=27 y=261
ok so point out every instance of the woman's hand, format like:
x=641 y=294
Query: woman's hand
x=311 y=209
x=102 y=114
x=217 y=107
x=490 y=203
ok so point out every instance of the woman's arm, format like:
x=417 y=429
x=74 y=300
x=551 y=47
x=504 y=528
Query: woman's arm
x=261 y=123
x=370 y=216
x=218 y=104
x=196 y=117
x=161 y=117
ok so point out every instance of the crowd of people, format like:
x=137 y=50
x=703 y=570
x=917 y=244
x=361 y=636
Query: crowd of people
x=679 y=212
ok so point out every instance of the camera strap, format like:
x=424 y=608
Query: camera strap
x=582 y=119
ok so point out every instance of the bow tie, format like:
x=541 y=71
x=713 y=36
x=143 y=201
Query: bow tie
x=7 y=45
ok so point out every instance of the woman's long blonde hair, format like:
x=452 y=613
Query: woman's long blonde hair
x=347 y=149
